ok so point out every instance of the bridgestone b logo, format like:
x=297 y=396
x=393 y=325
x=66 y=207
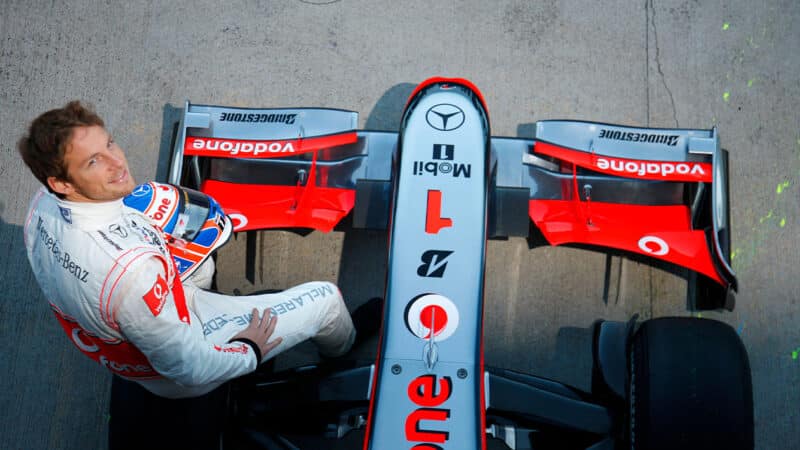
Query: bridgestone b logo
x=651 y=138
x=287 y=119
x=434 y=263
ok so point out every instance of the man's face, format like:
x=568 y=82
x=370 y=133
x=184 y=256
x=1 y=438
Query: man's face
x=97 y=170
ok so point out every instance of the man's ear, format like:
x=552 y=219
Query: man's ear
x=60 y=186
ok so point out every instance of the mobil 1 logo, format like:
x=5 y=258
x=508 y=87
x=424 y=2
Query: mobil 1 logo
x=443 y=163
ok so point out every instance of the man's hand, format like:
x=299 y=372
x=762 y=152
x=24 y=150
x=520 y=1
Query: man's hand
x=260 y=330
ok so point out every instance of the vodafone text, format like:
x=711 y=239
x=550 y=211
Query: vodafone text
x=428 y=392
x=122 y=368
x=236 y=147
x=163 y=208
x=650 y=168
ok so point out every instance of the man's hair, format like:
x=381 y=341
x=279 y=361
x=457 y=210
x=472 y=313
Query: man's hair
x=44 y=146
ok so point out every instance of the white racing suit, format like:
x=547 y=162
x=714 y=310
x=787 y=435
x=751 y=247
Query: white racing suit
x=109 y=277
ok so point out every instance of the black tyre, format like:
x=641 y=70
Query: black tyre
x=141 y=420
x=690 y=386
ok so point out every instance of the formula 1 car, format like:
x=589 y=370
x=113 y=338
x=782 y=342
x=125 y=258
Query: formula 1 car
x=441 y=187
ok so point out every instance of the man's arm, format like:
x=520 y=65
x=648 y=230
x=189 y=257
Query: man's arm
x=146 y=314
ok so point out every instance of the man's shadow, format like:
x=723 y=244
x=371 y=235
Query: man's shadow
x=52 y=383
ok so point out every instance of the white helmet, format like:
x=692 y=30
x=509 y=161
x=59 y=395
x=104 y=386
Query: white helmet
x=194 y=224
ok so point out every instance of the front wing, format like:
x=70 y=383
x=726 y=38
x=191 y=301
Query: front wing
x=661 y=194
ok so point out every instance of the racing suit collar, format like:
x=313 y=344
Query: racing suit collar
x=88 y=216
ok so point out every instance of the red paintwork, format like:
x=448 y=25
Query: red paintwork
x=462 y=81
x=433 y=216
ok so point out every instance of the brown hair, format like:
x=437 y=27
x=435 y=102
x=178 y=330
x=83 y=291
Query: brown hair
x=44 y=146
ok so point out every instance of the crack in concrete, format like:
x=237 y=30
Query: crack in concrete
x=647 y=61
x=652 y=20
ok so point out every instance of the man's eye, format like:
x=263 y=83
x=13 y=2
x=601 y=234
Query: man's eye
x=92 y=162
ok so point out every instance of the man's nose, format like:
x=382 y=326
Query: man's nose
x=117 y=160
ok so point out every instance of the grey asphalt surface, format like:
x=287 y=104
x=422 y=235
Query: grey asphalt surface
x=730 y=64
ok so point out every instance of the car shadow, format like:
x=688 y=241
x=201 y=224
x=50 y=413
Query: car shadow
x=363 y=262
x=170 y=118
x=364 y=258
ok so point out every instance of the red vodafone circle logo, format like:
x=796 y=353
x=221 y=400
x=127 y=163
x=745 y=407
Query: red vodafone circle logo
x=239 y=221
x=654 y=245
x=432 y=316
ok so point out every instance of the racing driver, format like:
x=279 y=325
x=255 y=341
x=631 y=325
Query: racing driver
x=110 y=279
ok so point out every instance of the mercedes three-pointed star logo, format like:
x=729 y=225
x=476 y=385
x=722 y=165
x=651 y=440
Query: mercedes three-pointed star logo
x=140 y=190
x=118 y=230
x=445 y=117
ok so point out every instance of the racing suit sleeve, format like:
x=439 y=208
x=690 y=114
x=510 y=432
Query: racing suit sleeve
x=147 y=316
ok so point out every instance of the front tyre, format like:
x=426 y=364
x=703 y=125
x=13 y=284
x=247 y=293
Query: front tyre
x=690 y=386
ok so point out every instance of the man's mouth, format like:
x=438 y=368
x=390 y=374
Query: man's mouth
x=122 y=178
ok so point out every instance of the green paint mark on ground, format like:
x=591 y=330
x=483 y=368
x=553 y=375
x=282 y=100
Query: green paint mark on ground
x=725 y=26
x=760 y=228
x=794 y=354
x=726 y=96
x=750 y=82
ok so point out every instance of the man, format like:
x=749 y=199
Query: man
x=110 y=278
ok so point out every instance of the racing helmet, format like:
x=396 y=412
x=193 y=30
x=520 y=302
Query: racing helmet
x=193 y=223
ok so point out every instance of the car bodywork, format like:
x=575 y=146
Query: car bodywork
x=442 y=186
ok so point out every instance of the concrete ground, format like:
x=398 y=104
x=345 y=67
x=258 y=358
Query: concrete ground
x=683 y=63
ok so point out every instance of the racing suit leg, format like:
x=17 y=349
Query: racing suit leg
x=313 y=310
